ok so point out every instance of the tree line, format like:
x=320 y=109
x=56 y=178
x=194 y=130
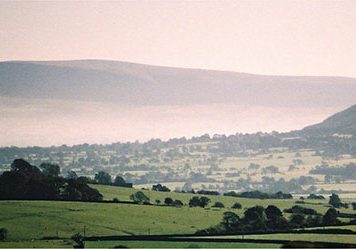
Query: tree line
x=28 y=182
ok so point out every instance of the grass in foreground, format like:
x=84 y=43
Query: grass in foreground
x=123 y=194
x=33 y=220
x=26 y=220
x=165 y=244
x=337 y=238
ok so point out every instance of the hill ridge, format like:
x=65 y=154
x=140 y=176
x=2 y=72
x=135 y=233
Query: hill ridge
x=140 y=84
x=343 y=122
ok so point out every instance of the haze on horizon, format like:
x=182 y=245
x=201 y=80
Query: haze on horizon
x=265 y=37
x=260 y=37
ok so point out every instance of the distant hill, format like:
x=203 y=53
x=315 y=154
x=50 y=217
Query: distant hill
x=343 y=122
x=143 y=85
x=98 y=101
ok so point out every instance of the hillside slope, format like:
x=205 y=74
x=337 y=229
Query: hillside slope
x=343 y=122
x=96 y=101
x=142 y=85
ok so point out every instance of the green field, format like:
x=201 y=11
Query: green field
x=110 y=192
x=337 y=238
x=132 y=244
x=165 y=244
x=30 y=221
x=37 y=219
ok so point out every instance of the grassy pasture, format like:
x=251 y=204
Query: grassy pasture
x=37 y=244
x=29 y=221
x=36 y=219
x=130 y=244
x=165 y=244
x=337 y=238
x=110 y=192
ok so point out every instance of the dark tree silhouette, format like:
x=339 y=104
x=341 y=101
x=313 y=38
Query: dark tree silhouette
x=218 y=204
x=102 y=178
x=168 y=201
x=140 y=198
x=199 y=201
x=49 y=169
x=330 y=217
x=3 y=233
x=236 y=205
x=335 y=201
x=27 y=182
x=230 y=221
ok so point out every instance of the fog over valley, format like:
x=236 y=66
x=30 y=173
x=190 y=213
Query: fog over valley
x=97 y=101
x=29 y=122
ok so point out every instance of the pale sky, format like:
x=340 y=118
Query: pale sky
x=265 y=37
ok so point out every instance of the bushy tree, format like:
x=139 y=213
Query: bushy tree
x=78 y=189
x=79 y=240
x=204 y=201
x=297 y=220
x=140 y=198
x=297 y=209
x=313 y=220
x=177 y=203
x=275 y=219
x=20 y=165
x=168 y=201
x=354 y=205
x=120 y=181
x=49 y=169
x=335 y=201
x=230 y=221
x=102 y=178
x=199 y=201
x=255 y=218
x=218 y=204
x=27 y=182
x=236 y=205
x=330 y=217
x=273 y=212
x=255 y=212
x=72 y=175
x=3 y=233
x=159 y=187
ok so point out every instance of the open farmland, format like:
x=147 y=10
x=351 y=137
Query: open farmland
x=44 y=219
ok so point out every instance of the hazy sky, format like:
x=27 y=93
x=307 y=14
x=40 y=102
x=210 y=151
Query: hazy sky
x=268 y=37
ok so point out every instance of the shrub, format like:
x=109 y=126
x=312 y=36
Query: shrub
x=218 y=204
x=177 y=203
x=168 y=201
x=297 y=220
x=140 y=198
x=3 y=233
x=236 y=205
x=330 y=217
x=354 y=205
x=296 y=209
x=159 y=187
x=208 y=192
x=335 y=201
x=199 y=201
x=261 y=195
x=315 y=197
x=78 y=238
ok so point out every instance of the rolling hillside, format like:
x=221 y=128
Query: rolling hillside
x=343 y=122
x=143 y=85
x=94 y=101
